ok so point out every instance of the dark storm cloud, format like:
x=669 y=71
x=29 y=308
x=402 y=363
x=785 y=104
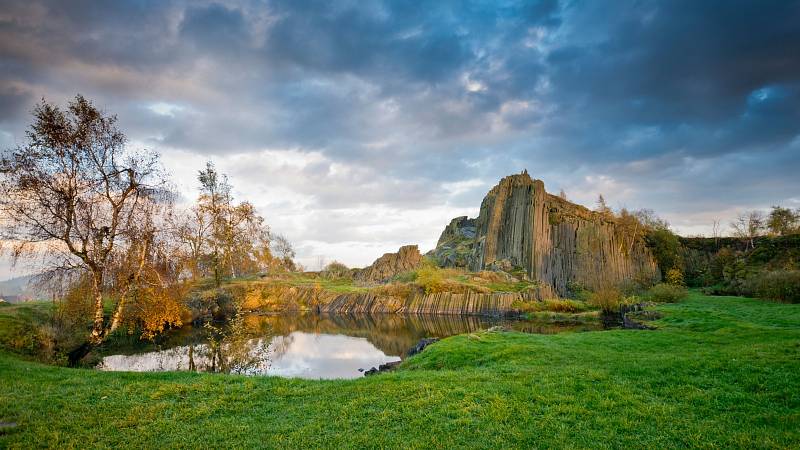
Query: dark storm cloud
x=436 y=91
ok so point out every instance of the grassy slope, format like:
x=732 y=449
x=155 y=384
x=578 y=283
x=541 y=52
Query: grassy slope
x=16 y=322
x=720 y=372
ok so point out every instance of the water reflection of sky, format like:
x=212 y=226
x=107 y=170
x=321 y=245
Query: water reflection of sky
x=315 y=346
x=310 y=355
x=300 y=355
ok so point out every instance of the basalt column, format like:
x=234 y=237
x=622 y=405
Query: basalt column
x=555 y=241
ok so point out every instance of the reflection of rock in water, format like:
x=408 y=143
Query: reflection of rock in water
x=314 y=345
x=395 y=334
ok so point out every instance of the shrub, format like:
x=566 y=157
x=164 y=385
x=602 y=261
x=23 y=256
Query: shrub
x=430 y=278
x=675 y=277
x=490 y=276
x=336 y=270
x=433 y=279
x=406 y=277
x=606 y=298
x=577 y=291
x=666 y=293
x=551 y=304
x=781 y=285
x=563 y=305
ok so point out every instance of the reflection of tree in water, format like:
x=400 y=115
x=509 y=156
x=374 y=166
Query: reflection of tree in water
x=281 y=345
x=233 y=348
x=246 y=344
x=394 y=334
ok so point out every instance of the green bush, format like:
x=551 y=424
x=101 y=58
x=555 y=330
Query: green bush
x=781 y=285
x=666 y=293
x=336 y=270
x=563 y=305
x=552 y=305
x=608 y=299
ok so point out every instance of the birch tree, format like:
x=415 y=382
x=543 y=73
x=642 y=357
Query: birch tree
x=75 y=196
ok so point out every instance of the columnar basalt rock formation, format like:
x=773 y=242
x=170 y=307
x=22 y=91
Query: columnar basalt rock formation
x=280 y=298
x=520 y=226
x=391 y=264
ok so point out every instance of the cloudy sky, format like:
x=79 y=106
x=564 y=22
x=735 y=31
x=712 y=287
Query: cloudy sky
x=359 y=126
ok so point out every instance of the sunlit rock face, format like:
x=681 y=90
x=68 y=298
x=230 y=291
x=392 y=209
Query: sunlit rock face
x=391 y=264
x=521 y=226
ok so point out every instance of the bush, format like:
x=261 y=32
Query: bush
x=666 y=293
x=433 y=279
x=490 y=276
x=606 y=298
x=336 y=270
x=430 y=278
x=563 y=305
x=551 y=304
x=675 y=277
x=781 y=285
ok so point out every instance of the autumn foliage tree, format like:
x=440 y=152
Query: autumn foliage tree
x=76 y=196
x=219 y=237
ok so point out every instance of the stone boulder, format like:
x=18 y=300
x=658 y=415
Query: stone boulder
x=391 y=264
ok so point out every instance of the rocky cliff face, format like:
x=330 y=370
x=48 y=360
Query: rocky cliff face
x=391 y=264
x=520 y=226
x=458 y=228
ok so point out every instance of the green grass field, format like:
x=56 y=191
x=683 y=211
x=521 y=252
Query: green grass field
x=719 y=372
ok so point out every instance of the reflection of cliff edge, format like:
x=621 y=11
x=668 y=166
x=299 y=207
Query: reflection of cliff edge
x=393 y=334
x=520 y=226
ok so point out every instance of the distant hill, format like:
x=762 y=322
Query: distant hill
x=19 y=289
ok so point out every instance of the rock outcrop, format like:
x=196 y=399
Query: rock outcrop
x=520 y=226
x=280 y=298
x=459 y=228
x=455 y=244
x=391 y=264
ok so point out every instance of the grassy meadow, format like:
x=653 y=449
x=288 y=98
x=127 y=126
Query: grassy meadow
x=718 y=372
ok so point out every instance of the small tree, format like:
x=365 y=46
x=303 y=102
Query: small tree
x=748 y=225
x=782 y=221
x=284 y=251
x=336 y=270
x=602 y=207
x=631 y=229
x=675 y=276
x=715 y=231
x=235 y=237
x=73 y=194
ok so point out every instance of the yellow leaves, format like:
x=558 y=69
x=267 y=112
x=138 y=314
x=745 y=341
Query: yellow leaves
x=253 y=299
x=674 y=276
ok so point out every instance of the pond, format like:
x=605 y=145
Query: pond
x=309 y=346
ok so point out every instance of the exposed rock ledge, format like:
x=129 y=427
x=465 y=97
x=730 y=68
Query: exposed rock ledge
x=276 y=298
x=390 y=265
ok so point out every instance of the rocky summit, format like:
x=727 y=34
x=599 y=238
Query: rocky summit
x=521 y=227
x=391 y=264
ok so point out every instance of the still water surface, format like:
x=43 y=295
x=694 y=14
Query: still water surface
x=310 y=345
